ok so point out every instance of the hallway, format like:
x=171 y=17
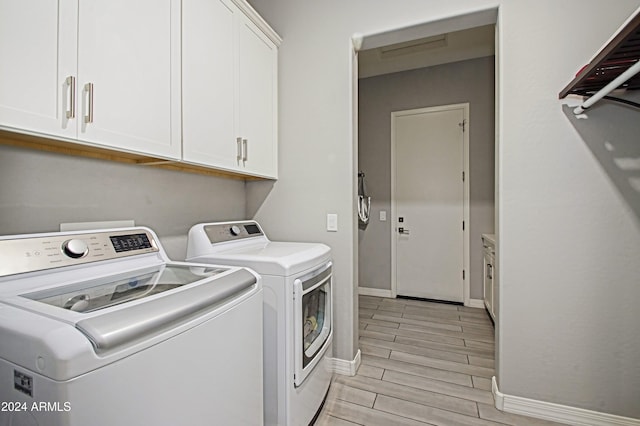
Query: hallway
x=423 y=363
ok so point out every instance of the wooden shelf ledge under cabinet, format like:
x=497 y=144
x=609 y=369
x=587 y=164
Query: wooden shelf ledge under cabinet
x=75 y=149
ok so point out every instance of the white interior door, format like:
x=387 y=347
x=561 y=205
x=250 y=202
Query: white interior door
x=429 y=194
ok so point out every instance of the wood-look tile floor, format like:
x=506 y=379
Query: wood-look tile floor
x=423 y=363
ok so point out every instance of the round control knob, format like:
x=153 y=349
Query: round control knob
x=235 y=230
x=75 y=248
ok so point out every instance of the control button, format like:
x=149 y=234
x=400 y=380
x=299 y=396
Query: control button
x=235 y=230
x=75 y=248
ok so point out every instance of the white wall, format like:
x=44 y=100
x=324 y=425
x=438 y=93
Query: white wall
x=568 y=242
x=569 y=245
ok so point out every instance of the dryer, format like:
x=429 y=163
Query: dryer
x=101 y=328
x=297 y=281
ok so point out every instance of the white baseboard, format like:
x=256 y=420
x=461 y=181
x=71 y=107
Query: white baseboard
x=377 y=292
x=346 y=367
x=498 y=396
x=475 y=303
x=556 y=412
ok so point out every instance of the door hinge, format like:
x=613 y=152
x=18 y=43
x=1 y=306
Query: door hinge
x=463 y=125
x=463 y=275
x=463 y=176
x=463 y=225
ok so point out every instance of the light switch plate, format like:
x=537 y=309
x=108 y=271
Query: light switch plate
x=383 y=215
x=332 y=222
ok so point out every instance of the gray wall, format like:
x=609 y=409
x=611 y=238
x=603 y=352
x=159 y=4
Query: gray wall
x=469 y=81
x=562 y=304
x=39 y=190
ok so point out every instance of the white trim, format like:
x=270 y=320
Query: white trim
x=556 y=412
x=466 y=257
x=377 y=292
x=345 y=367
x=394 y=214
x=498 y=396
x=255 y=17
x=466 y=208
x=394 y=269
x=475 y=303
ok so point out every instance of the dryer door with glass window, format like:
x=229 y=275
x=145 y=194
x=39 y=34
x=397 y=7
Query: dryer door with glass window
x=312 y=305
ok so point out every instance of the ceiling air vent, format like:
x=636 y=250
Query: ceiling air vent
x=413 y=46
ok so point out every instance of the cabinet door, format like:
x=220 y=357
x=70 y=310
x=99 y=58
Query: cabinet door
x=38 y=52
x=488 y=283
x=208 y=83
x=257 y=99
x=129 y=51
x=495 y=292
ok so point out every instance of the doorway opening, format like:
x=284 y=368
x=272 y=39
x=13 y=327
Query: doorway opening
x=445 y=62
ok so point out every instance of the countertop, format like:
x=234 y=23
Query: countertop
x=490 y=238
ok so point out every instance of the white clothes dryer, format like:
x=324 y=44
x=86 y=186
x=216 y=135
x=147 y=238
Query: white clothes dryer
x=297 y=281
x=101 y=328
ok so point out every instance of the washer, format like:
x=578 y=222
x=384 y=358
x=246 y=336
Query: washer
x=298 y=334
x=101 y=328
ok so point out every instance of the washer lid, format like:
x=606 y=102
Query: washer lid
x=98 y=294
x=71 y=343
x=271 y=257
x=120 y=327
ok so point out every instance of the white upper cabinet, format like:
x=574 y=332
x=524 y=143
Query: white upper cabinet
x=129 y=75
x=192 y=81
x=38 y=52
x=104 y=72
x=229 y=88
x=257 y=101
x=208 y=83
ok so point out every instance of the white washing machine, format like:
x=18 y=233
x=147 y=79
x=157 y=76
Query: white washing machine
x=100 y=328
x=298 y=333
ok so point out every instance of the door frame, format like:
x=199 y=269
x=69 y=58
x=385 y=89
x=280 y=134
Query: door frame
x=465 y=203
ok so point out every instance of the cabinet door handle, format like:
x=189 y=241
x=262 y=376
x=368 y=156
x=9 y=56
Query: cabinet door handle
x=239 y=148
x=245 y=151
x=71 y=82
x=489 y=271
x=89 y=89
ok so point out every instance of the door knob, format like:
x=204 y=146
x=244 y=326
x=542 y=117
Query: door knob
x=401 y=230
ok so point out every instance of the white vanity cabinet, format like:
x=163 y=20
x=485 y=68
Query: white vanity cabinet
x=104 y=73
x=490 y=294
x=229 y=88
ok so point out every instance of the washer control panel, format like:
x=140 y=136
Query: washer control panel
x=232 y=231
x=36 y=253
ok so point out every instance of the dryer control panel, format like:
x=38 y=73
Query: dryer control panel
x=37 y=252
x=232 y=231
